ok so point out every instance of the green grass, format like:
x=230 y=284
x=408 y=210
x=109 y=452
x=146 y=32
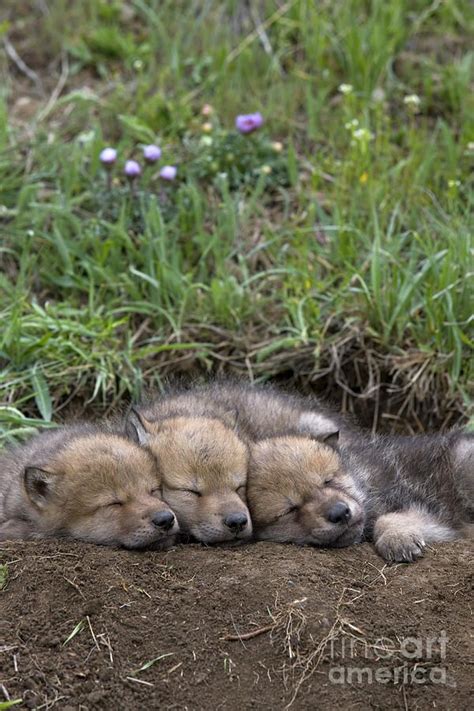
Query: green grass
x=3 y=576
x=349 y=266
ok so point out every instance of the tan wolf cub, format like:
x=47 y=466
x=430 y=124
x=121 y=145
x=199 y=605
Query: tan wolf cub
x=299 y=492
x=202 y=461
x=86 y=483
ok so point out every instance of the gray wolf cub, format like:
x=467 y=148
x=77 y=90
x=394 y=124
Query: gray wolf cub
x=86 y=483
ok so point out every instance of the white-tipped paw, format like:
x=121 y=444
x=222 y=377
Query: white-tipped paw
x=400 y=547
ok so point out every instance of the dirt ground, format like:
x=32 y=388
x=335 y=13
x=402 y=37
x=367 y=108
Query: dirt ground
x=260 y=626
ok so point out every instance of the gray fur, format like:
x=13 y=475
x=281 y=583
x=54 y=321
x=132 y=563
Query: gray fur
x=425 y=471
x=256 y=412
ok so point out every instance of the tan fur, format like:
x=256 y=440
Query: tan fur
x=205 y=456
x=98 y=487
x=293 y=483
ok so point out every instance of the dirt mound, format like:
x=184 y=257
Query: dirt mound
x=254 y=627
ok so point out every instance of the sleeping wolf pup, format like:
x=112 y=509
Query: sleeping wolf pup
x=87 y=483
x=202 y=462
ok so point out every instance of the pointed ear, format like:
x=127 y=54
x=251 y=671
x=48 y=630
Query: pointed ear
x=39 y=485
x=136 y=427
x=331 y=439
x=231 y=417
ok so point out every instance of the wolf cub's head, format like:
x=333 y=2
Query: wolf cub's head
x=101 y=488
x=299 y=493
x=203 y=465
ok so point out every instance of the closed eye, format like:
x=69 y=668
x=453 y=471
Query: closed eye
x=113 y=503
x=285 y=513
x=191 y=491
x=290 y=510
x=334 y=484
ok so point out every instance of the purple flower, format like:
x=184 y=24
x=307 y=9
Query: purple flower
x=246 y=123
x=132 y=169
x=151 y=153
x=108 y=157
x=168 y=172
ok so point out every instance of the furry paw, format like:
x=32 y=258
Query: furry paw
x=400 y=547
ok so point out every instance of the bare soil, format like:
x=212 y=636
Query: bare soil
x=252 y=627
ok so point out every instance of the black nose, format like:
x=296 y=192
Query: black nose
x=236 y=521
x=163 y=519
x=339 y=513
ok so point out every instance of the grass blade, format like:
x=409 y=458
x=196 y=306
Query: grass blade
x=151 y=662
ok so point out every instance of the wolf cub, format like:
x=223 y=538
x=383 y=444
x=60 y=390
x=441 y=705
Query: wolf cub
x=299 y=492
x=315 y=478
x=202 y=462
x=86 y=483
